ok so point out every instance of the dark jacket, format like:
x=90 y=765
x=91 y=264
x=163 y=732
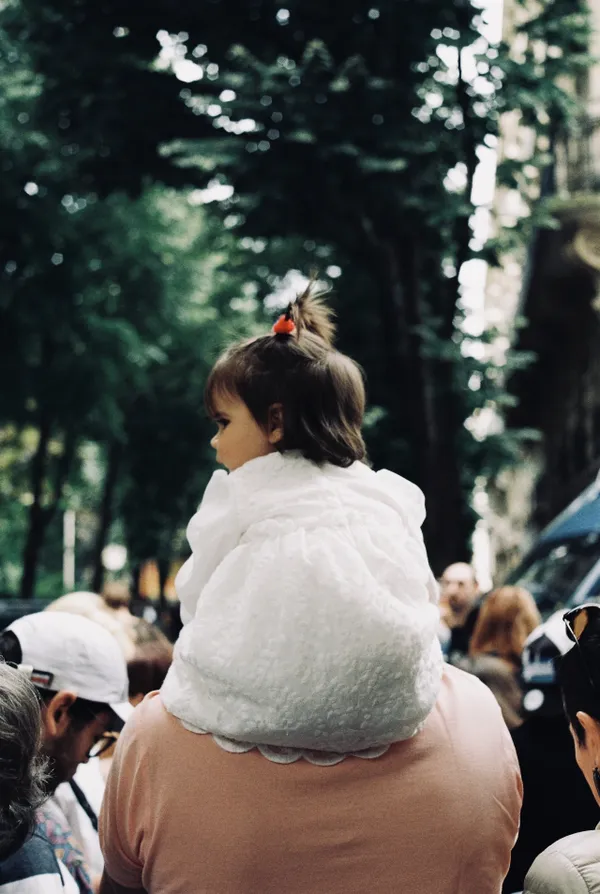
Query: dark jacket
x=556 y=798
x=460 y=637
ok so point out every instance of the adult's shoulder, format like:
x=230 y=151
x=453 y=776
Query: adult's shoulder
x=150 y=713
x=473 y=721
x=152 y=729
x=463 y=691
x=570 y=865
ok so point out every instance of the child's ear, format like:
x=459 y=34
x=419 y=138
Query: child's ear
x=275 y=424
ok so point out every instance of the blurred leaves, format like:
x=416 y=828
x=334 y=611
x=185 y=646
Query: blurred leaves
x=335 y=129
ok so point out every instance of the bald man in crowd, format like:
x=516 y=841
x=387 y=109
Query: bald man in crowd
x=459 y=606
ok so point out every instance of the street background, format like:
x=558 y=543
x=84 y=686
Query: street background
x=172 y=173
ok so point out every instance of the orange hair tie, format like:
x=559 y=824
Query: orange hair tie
x=284 y=326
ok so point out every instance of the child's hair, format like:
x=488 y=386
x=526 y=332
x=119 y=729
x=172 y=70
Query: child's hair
x=320 y=390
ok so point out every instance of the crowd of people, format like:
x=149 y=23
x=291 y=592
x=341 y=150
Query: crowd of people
x=321 y=725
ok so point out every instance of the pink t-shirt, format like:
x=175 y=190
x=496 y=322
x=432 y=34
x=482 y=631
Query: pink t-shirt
x=437 y=814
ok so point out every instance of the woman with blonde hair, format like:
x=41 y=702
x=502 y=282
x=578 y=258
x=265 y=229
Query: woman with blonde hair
x=507 y=617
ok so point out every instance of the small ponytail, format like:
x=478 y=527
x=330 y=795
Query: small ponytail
x=311 y=314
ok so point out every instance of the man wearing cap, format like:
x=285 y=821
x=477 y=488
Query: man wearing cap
x=80 y=673
x=556 y=798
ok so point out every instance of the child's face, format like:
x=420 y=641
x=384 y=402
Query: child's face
x=240 y=438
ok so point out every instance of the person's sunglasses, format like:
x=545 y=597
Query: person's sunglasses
x=577 y=621
x=102 y=744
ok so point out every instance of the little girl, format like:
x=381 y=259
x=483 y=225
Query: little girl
x=310 y=612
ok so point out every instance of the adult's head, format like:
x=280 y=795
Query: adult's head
x=116 y=596
x=22 y=771
x=151 y=660
x=80 y=674
x=507 y=616
x=579 y=676
x=458 y=592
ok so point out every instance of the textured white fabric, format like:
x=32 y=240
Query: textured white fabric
x=60 y=883
x=280 y=754
x=309 y=607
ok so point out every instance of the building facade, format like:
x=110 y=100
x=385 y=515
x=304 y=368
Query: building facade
x=555 y=287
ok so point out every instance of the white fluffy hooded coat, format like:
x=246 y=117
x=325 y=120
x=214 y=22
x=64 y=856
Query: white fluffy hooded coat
x=310 y=609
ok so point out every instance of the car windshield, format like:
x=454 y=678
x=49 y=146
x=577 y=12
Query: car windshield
x=555 y=570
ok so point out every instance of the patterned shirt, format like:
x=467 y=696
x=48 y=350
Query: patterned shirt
x=53 y=825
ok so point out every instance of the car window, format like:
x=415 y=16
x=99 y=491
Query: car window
x=555 y=570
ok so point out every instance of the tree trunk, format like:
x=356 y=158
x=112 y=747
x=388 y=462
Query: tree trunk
x=40 y=516
x=449 y=523
x=106 y=511
x=163 y=574
x=429 y=409
x=432 y=411
x=37 y=521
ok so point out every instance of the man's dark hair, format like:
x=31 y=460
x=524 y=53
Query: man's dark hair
x=22 y=770
x=579 y=692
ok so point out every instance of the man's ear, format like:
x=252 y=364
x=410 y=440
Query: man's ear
x=592 y=734
x=275 y=423
x=56 y=713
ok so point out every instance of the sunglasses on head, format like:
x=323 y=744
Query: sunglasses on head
x=577 y=621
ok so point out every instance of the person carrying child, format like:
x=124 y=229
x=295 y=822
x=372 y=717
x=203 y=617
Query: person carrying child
x=309 y=607
x=310 y=640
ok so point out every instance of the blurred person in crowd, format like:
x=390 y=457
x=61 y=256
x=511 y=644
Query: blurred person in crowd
x=146 y=670
x=27 y=859
x=151 y=660
x=572 y=864
x=556 y=798
x=498 y=677
x=79 y=800
x=291 y=720
x=80 y=674
x=459 y=608
x=506 y=618
x=117 y=597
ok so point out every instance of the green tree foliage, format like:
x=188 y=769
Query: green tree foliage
x=98 y=295
x=336 y=126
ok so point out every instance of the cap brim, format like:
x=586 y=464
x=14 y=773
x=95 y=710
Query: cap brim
x=122 y=711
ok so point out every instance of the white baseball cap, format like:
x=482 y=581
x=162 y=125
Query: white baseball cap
x=64 y=651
